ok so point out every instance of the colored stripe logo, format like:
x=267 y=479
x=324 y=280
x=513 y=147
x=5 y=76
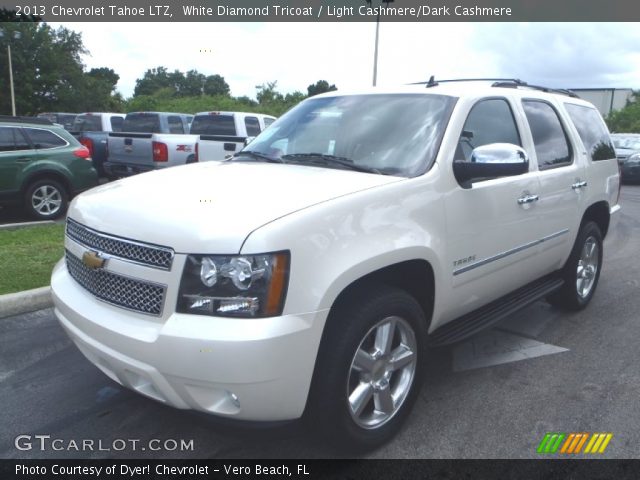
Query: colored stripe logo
x=573 y=443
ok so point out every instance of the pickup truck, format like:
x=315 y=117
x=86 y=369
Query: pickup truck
x=92 y=129
x=309 y=275
x=221 y=134
x=149 y=141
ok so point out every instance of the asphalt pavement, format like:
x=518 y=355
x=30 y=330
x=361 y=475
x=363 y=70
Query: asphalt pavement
x=494 y=396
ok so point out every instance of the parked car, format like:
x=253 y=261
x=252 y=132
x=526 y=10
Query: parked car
x=149 y=141
x=41 y=166
x=92 y=129
x=64 y=119
x=628 y=151
x=221 y=134
x=309 y=274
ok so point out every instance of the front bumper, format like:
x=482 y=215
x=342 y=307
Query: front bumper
x=247 y=369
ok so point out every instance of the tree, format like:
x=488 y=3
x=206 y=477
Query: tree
x=48 y=72
x=216 y=85
x=188 y=84
x=321 y=86
x=626 y=120
x=47 y=67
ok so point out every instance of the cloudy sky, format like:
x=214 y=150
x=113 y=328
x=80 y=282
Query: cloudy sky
x=561 y=55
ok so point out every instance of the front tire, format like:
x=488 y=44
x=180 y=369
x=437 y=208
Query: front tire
x=46 y=199
x=582 y=270
x=369 y=371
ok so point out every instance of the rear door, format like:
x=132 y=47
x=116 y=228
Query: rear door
x=562 y=181
x=15 y=155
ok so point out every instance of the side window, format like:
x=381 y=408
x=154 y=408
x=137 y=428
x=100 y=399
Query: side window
x=490 y=121
x=42 y=139
x=253 y=126
x=7 y=141
x=175 y=124
x=116 y=124
x=592 y=131
x=549 y=137
x=268 y=121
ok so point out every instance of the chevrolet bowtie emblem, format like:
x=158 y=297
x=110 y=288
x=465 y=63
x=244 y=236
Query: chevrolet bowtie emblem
x=92 y=260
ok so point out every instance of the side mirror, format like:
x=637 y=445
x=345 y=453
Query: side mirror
x=491 y=161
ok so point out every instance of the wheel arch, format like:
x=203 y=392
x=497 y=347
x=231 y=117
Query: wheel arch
x=598 y=213
x=43 y=175
x=416 y=277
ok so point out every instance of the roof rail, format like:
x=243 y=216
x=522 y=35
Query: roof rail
x=499 y=82
x=511 y=84
x=23 y=119
x=433 y=82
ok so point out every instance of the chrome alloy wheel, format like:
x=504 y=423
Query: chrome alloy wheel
x=46 y=200
x=587 y=267
x=382 y=372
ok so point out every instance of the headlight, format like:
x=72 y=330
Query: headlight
x=234 y=285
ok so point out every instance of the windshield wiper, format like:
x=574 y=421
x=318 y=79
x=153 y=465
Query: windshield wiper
x=324 y=159
x=258 y=156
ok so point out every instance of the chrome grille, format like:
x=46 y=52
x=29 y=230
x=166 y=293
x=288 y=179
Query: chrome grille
x=142 y=253
x=116 y=289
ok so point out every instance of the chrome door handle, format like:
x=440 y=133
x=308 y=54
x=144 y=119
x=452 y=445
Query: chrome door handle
x=578 y=185
x=528 y=199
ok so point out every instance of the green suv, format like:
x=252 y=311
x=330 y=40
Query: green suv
x=41 y=166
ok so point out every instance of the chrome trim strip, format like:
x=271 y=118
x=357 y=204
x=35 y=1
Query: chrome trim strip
x=168 y=250
x=510 y=252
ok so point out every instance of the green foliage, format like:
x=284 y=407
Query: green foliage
x=321 y=86
x=164 y=101
x=48 y=72
x=180 y=84
x=626 y=120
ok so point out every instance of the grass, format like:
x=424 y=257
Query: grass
x=27 y=256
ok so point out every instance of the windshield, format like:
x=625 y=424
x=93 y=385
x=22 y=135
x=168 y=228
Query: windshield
x=631 y=143
x=392 y=134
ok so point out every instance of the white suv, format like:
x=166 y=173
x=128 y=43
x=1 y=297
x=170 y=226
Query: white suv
x=309 y=274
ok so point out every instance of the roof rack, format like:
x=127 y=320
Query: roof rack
x=23 y=119
x=499 y=82
x=514 y=84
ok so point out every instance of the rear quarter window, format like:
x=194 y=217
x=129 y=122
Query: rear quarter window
x=592 y=131
x=42 y=139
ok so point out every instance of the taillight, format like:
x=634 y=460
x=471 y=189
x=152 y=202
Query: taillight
x=82 y=152
x=87 y=142
x=160 y=152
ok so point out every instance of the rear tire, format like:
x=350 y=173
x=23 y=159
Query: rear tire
x=46 y=199
x=369 y=371
x=582 y=270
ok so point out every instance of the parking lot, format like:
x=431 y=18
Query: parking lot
x=494 y=396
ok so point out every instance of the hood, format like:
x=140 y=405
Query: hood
x=211 y=207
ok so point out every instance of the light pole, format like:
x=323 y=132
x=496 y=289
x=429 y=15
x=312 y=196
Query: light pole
x=375 y=51
x=16 y=35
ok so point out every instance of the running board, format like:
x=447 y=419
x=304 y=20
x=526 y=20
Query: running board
x=471 y=323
